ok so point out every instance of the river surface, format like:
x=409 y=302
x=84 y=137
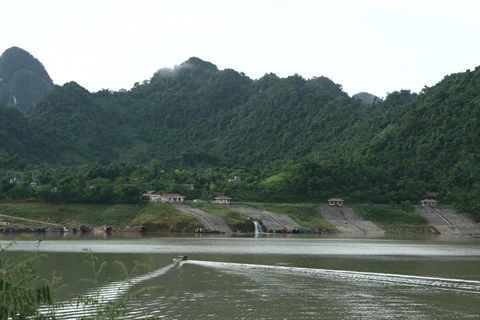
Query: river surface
x=273 y=277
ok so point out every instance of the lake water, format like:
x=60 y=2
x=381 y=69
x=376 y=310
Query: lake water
x=276 y=277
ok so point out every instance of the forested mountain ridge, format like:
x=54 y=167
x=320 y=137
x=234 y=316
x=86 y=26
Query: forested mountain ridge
x=83 y=127
x=438 y=140
x=301 y=139
x=198 y=113
x=23 y=79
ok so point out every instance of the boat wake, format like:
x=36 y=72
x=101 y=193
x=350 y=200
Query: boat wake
x=101 y=296
x=472 y=286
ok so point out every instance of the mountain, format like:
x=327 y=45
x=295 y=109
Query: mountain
x=83 y=127
x=196 y=112
x=23 y=79
x=307 y=133
x=435 y=138
x=367 y=98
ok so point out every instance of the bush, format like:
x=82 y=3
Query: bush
x=24 y=294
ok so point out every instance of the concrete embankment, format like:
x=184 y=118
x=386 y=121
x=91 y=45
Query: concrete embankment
x=209 y=221
x=447 y=221
x=271 y=220
x=347 y=222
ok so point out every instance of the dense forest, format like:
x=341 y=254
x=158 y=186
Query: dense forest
x=290 y=139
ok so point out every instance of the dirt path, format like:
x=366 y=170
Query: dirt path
x=347 y=222
x=31 y=220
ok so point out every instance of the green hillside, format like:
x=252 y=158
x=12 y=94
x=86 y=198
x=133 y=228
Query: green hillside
x=291 y=139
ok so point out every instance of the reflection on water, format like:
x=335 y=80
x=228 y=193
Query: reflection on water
x=281 y=278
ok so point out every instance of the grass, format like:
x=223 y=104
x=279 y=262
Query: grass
x=157 y=212
x=163 y=217
x=72 y=214
x=229 y=216
x=275 y=179
x=95 y=214
x=393 y=218
x=305 y=214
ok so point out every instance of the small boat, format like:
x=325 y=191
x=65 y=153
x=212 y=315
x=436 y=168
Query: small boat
x=202 y=230
x=104 y=229
x=181 y=258
x=474 y=236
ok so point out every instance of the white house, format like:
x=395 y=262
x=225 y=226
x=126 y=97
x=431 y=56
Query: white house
x=172 y=198
x=4 y=222
x=222 y=199
x=335 y=202
x=152 y=196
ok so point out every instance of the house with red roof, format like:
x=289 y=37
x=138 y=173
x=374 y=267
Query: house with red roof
x=166 y=197
x=152 y=196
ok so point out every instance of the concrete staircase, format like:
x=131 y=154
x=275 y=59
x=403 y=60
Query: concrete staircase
x=347 y=222
x=447 y=221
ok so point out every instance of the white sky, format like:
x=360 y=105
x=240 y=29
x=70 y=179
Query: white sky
x=377 y=46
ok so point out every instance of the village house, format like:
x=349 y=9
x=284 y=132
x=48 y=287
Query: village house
x=152 y=196
x=222 y=199
x=335 y=202
x=429 y=202
x=172 y=198
x=166 y=197
x=235 y=179
x=4 y=222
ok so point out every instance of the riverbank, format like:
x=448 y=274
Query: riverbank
x=166 y=218
x=155 y=216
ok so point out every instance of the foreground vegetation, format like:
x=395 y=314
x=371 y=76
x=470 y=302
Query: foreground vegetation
x=26 y=294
